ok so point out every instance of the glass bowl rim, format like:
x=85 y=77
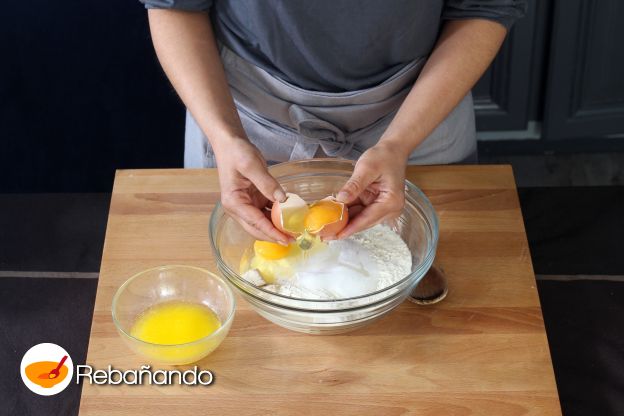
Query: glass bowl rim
x=434 y=225
x=224 y=283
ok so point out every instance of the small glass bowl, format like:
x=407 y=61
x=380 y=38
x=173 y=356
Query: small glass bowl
x=173 y=283
x=313 y=180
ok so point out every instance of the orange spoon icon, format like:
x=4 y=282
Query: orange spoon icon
x=54 y=373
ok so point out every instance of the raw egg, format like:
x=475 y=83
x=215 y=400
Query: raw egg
x=270 y=251
x=324 y=218
x=273 y=260
x=288 y=216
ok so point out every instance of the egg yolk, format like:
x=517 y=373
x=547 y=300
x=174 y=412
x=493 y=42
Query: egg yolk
x=321 y=214
x=270 y=251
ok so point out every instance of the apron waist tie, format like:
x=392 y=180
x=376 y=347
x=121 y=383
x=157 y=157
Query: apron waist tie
x=289 y=123
x=317 y=131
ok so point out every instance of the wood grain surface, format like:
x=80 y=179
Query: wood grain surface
x=482 y=351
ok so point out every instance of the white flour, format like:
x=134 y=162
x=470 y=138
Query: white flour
x=363 y=263
x=389 y=251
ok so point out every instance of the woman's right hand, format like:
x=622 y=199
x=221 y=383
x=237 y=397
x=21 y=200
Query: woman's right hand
x=247 y=187
x=188 y=52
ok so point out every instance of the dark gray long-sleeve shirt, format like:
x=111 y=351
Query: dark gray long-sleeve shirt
x=337 y=45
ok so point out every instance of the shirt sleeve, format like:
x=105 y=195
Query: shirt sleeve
x=188 y=5
x=505 y=12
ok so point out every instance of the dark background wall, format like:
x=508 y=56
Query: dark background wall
x=82 y=94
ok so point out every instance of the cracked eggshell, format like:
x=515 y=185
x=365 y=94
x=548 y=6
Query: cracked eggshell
x=293 y=202
x=333 y=228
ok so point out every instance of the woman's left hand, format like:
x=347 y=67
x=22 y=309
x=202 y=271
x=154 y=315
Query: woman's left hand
x=376 y=191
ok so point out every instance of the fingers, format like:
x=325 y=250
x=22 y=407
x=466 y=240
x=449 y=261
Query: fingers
x=255 y=170
x=254 y=232
x=368 y=196
x=246 y=187
x=356 y=186
x=369 y=216
x=373 y=214
x=256 y=223
x=355 y=210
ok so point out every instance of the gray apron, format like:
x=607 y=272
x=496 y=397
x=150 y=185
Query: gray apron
x=289 y=123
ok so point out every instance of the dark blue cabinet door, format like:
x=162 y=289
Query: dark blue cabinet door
x=506 y=96
x=585 y=85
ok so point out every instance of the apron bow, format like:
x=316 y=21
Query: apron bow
x=315 y=130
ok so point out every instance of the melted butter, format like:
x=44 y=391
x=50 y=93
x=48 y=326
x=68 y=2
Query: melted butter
x=175 y=322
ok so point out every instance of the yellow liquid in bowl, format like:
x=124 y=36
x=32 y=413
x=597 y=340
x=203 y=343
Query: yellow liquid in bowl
x=173 y=323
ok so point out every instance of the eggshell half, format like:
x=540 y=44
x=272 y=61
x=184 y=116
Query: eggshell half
x=333 y=228
x=293 y=202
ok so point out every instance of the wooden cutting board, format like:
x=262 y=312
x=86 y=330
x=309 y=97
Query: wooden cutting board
x=482 y=351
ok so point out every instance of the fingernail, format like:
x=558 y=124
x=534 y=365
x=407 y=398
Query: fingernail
x=342 y=196
x=282 y=243
x=279 y=195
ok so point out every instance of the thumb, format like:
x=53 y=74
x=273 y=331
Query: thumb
x=265 y=182
x=362 y=177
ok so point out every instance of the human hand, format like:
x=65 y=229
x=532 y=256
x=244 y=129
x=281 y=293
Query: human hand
x=376 y=191
x=247 y=187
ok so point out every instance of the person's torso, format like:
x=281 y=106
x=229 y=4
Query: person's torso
x=329 y=45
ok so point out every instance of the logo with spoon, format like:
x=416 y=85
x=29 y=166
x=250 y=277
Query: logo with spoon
x=47 y=369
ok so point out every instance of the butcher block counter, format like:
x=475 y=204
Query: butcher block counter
x=481 y=351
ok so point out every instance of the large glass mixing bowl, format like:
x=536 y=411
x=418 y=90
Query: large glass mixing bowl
x=313 y=180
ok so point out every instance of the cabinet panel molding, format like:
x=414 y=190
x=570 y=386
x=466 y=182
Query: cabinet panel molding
x=585 y=89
